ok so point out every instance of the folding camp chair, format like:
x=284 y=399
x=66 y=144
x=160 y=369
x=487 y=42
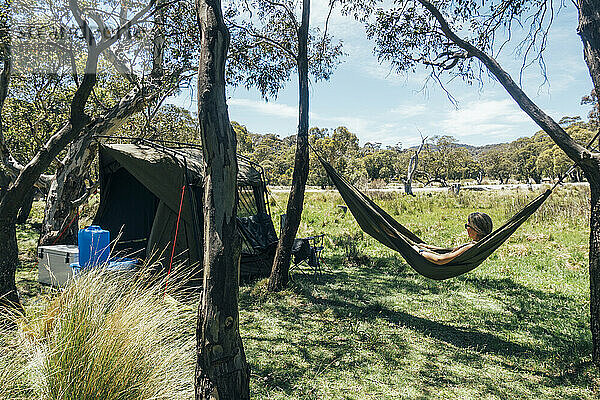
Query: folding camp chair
x=307 y=254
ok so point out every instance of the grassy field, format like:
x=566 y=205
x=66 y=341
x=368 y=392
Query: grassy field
x=371 y=328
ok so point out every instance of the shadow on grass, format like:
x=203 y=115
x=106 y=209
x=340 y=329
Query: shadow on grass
x=463 y=338
x=553 y=335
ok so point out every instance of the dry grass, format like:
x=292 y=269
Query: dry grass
x=108 y=336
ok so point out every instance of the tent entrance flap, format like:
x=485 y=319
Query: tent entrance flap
x=384 y=228
x=127 y=209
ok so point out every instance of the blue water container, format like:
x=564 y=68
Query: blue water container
x=94 y=246
x=121 y=264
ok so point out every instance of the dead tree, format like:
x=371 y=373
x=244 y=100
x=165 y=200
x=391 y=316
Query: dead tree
x=412 y=168
x=480 y=177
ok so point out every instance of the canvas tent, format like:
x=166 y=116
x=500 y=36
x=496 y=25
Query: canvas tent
x=141 y=189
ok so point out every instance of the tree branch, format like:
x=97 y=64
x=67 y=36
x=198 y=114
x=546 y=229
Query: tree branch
x=73 y=66
x=119 y=65
x=573 y=150
x=331 y=5
x=83 y=25
x=134 y=20
x=286 y=9
x=266 y=39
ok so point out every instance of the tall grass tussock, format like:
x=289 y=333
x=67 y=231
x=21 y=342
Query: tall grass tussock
x=106 y=336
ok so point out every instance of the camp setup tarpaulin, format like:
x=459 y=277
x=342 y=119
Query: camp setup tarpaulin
x=142 y=197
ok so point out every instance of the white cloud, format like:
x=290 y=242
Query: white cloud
x=498 y=119
x=376 y=128
x=266 y=108
x=409 y=110
x=486 y=118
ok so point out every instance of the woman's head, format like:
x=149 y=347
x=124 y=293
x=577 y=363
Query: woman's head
x=479 y=225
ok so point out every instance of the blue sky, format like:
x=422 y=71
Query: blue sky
x=382 y=106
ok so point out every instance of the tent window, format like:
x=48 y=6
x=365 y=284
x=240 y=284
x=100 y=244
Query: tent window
x=247 y=204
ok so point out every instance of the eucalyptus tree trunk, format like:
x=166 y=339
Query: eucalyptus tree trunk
x=9 y=297
x=221 y=369
x=8 y=232
x=479 y=177
x=61 y=220
x=26 y=207
x=281 y=265
x=594 y=267
x=410 y=174
x=589 y=31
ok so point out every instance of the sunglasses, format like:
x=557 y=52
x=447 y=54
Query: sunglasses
x=472 y=227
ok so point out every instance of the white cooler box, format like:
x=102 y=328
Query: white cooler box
x=54 y=263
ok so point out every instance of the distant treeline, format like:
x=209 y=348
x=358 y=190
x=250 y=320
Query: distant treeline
x=442 y=160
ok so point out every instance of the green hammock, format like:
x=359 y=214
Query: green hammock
x=381 y=226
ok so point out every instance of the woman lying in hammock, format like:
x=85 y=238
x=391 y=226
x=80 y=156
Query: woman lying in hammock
x=479 y=225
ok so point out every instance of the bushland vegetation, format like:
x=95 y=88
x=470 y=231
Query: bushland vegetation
x=443 y=159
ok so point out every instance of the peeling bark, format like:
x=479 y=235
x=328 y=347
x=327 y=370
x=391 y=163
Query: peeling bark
x=67 y=187
x=221 y=369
